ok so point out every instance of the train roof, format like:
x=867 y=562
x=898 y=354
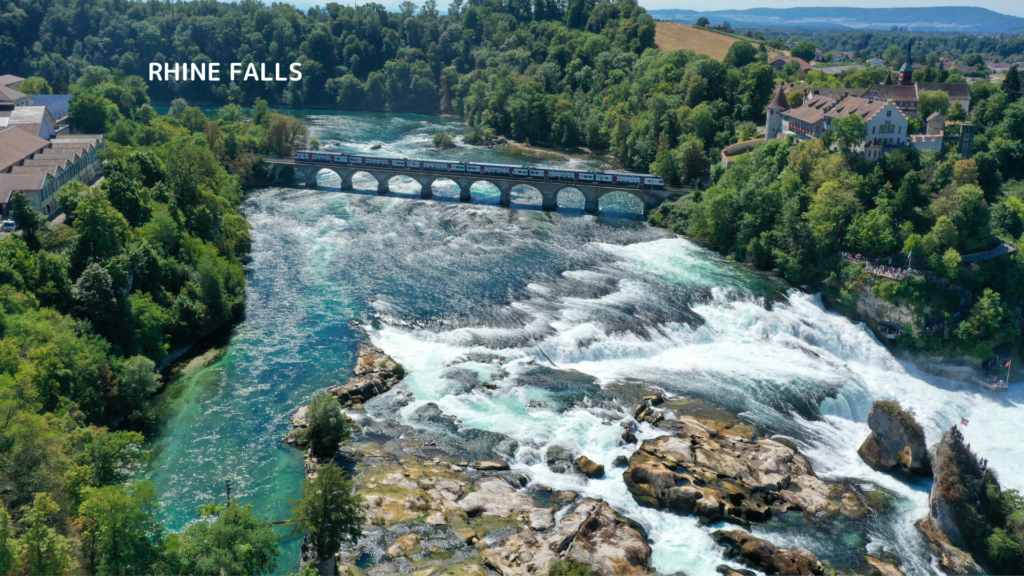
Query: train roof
x=615 y=172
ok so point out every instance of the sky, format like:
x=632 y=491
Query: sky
x=1012 y=7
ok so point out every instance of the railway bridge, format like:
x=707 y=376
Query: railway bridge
x=549 y=189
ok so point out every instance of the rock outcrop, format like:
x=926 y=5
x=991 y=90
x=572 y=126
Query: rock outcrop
x=375 y=373
x=719 y=476
x=559 y=459
x=957 y=479
x=589 y=468
x=765 y=556
x=896 y=439
x=592 y=534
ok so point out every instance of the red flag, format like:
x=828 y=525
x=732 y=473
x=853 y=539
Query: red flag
x=963 y=421
x=1008 y=362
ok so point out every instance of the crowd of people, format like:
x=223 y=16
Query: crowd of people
x=891 y=272
x=957 y=434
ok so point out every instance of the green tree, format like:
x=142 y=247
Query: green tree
x=27 y=218
x=8 y=545
x=260 y=111
x=92 y=113
x=740 y=54
x=956 y=112
x=929 y=101
x=34 y=85
x=850 y=131
x=68 y=199
x=285 y=135
x=102 y=229
x=128 y=196
x=1011 y=84
x=443 y=139
x=804 y=51
x=178 y=107
x=120 y=533
x=229 y=541
x=328 y=426
x=872 y=232
x=703 y=22
x=231 y=113
x=112 y=457
x=990 y=324
x=42 y=549
x=951 y=263
x=329 y=513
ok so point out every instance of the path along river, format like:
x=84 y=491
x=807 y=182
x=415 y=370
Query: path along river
x=456 y=286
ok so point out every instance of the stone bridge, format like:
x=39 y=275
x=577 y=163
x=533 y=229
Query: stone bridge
x=549 y=189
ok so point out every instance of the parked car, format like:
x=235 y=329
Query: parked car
x=8 y=226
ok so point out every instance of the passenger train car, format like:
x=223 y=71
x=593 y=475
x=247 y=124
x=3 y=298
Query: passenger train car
x=599 y=178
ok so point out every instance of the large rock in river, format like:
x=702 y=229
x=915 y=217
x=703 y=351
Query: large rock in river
x=896 y=439
x=765 y=556
x=722 y=476
x=375 y=373
x=592 y=534
x=957 y=479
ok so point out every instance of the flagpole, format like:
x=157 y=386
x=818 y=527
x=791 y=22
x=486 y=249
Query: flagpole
x=1008 y=365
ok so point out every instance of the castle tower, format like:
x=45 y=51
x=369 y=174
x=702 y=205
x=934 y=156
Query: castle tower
x=907 y=70
x=778 y=105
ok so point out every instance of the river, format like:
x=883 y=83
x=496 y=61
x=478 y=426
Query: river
x=455 y=289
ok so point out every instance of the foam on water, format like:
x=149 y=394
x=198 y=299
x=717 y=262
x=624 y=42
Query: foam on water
x=759 y=361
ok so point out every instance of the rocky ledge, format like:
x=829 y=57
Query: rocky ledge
x=957 y=480
x=435 y=516
x=592 y=534
x=375 y=373
x=896 y=439
x=763 y=555
x=722 y=476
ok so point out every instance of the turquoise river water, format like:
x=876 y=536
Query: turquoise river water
x=452 y=283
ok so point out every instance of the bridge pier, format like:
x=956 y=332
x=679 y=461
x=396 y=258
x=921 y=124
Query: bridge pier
x=505 y=192
x=464 y=186
x=309 y=176
x=382 y=187
x=591 y=205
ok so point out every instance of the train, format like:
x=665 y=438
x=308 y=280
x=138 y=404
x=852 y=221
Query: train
x=599 y=178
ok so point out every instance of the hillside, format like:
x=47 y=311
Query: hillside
x=940 y=18
x=675 y=36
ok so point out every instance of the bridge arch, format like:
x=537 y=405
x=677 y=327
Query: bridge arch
x=572 y=197
x=525 y=193
x=621 y=203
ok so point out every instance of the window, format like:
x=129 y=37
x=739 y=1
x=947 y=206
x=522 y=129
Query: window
x=888 y=112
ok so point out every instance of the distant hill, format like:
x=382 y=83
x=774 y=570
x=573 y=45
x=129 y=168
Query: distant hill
x=940 y=18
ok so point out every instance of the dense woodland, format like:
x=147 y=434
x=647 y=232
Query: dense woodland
x=575 y=73
x=928 y=47
x=147 y=261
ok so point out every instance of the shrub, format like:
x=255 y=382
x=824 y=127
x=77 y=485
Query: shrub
x=570 y=567
x=328 y=426
x=443 y=140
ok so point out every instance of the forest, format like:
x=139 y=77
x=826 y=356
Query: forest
x=928 y=47
x=575 y=74
x=147 y=261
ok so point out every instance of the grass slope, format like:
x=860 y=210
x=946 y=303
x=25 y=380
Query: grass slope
x=675 y=36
